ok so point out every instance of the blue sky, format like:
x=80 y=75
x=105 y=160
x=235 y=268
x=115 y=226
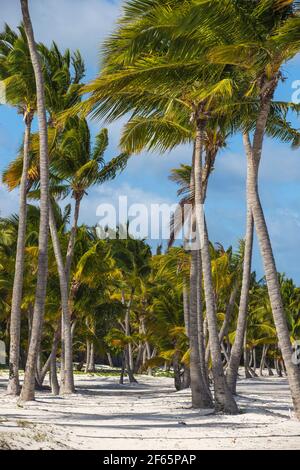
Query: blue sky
x=83 y=24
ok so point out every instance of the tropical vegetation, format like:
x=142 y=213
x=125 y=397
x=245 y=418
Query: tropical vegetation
x=194 y=72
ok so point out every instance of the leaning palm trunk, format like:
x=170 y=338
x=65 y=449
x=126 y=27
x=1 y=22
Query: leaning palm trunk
x=67 y=385
x=52 y=358
x=237 y=348
x=15 y=318
x=39 y=306
x=229 y=311
x=253 y=156
x=223 y=397
x=274 y=290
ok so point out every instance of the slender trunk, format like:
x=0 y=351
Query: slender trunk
x=186 y=307
x=278 y=368
x=177 y=374
x=139 y=358
x=91 y=367
x=30 y=316
x=73 y=326
x=200 y=323
x=109 y=358
x=229 y=311
x=53 y=374
x=237 y=347
x=121 y=381
x=15 y=318
x=47 y=366
x=62 y=352
x=87 y=360
x=223 y=397
x=254 y=360
x=68 y=383
x=262 y=360
x=200 y=395
x=224 y=351
x=186 y=381
x=72 y=239
x=39 y=306
x=270 y=372
x=272 y=278
x=246 y=358
x=66 y=326
x=38 y=384
x=128 y=347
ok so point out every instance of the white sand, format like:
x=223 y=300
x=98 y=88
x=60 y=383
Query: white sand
x=150 y=415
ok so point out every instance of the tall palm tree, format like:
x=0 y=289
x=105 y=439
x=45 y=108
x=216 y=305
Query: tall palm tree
x=17 y=74
x=276 y=42
x=27 y=392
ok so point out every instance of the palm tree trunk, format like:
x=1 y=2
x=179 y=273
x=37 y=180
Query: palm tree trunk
x=200 y=395
x=229 y=311
x=186 y=308
x=270 y=266
x=200 y=324
x=237 y=347
x=147 y=350
x=87 y=360
x=52 y=362
x=15 y=318
x=65 y=328
x=39 y=306
x=246 y=358
x=223 y=397
x=128 y=347
x=92 y=358
x=68 y=382
x=177 y=372
x=72 y=239
x=109 y=358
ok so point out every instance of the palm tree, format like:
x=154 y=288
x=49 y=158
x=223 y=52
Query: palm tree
x=276 y=43
x=27 y=392
x=17 y=74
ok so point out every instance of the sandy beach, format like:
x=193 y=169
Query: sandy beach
x=148 y=415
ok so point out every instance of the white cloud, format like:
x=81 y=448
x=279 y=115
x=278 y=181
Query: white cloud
x=77 y=24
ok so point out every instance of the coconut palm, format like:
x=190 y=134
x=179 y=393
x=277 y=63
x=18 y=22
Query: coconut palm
x=27 y=392
x=276 y=42
x=16 y=72
x=273 y=20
